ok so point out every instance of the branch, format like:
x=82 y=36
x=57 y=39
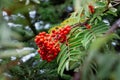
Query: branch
x=108 y=2
x=116 y=4
x=31 y=25
x=116 y=0
x=80 y=24
x=115 y=26
x=107 y=9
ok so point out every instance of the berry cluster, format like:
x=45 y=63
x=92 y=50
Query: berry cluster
x=61 y=34
x=48 y=47
x=48 y=44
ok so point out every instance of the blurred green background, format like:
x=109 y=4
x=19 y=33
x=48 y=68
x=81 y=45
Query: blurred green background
x=20 y=21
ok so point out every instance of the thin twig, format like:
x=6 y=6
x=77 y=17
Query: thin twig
x=108 y=2
x=80 y=24
x=116 y=4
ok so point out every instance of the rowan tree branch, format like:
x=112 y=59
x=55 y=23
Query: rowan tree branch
x=80 y=24
x=115 y=26
x=107 y=9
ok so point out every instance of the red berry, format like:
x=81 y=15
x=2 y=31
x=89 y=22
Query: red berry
x=53 y=31
x=91 y=9
x=41 y=40
x=65 y=32
x=88 y=26
x=68 y=28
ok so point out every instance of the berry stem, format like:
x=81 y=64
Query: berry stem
x=80 y=24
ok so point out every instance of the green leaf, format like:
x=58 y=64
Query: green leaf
x=100 y=4
x=99 y=18
x=97 y=30
x=112 y=11
x=36 y=1
x=67 y=65
x=71 y=56
x=63 y=49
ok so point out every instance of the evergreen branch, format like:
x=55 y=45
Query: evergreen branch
x=33 y=29
x=31 y=25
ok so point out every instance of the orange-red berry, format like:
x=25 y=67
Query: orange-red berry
x=91 y=9
x=88 y=26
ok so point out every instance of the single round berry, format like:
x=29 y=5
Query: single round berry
x=87 y=26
